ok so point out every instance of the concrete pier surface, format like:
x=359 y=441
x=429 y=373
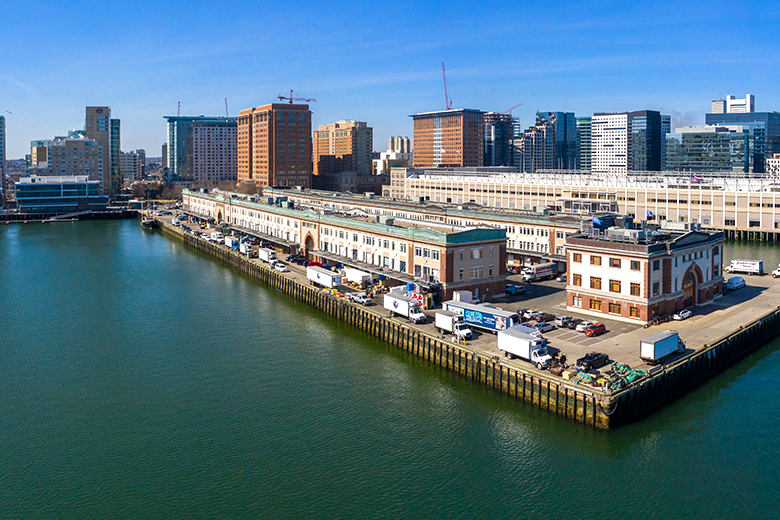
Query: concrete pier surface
x=729 y=324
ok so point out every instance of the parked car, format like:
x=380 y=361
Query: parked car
x=544 y=326
x=515 y=289
x=544 y=317
x=683 y=315
x=573 y=322
x=561 y=278
x=280 y=267
x=302 y=261
x=529 y=314
x=315 y=264
x=561 y=321
x=592 y=361
x=595 y=329
x=735 y=282
x=581 y=326
x=291 y=258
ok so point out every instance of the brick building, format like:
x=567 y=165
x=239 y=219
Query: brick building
x=449 y=138
x=635 y=275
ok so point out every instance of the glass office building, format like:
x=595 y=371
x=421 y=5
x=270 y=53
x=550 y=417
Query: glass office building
x=701 y=149
x=57 y=194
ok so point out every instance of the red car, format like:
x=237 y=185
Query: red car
x=595 y=329
x=316 y=264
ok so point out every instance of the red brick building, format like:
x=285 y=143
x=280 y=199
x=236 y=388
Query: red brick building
x=449 y=138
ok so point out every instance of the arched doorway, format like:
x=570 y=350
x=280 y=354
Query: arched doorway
x=308 y=245
x=219 y=216
x=689 y=289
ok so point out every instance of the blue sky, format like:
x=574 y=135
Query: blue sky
x=375 y=62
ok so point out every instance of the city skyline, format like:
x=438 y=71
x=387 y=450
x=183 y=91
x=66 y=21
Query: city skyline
x=574 y=57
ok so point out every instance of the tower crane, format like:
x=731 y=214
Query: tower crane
x=510 y=110
x=227 y=114
x=447 y=101
x=291 y=98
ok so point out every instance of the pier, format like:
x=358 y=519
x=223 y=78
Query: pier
x=584 y=404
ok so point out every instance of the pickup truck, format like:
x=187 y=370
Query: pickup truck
x=361 y=298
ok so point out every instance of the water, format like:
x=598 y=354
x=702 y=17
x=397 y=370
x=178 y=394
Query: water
x=140 y=379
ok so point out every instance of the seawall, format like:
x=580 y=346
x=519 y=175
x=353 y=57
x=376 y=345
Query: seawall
x=579 y=402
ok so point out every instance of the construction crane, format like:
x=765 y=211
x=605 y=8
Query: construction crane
x=291 y=98
x=510 y=110
x=226 y=109
x=178 y=110
x=447 y=101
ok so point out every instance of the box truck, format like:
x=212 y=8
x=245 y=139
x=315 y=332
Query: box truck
x=519 y=344
x=452 y=322
x=401 y=305
x=245 y=247
x=266 y=255
x=746 y=267
x=232 y=242
x=323 y=277
x=482 y=316
x=357 y=276
x=539 y=272
x=659 y=345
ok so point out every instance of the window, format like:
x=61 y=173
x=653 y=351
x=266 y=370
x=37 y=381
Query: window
x=595 y=283
x=614 y=308
x=461 y=255
x=402 y=266
x=576 y=279
x=656 y=288
x=635 y=289
x=614 y=262
x=460 y=274
x=577 y=301
x=476 y=272
x=490 y=270
x=491 y=251
x=614 y=286
x=417 y=251
x=635 y=265
x=435 y=254
x=656 y=265
x=633 y=312
x=476 y=253
x=594 y=305
x=403 y=248
x=595 y=260
x=577 y=257
x=426 y=253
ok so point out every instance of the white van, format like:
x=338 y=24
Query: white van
x=735 y=282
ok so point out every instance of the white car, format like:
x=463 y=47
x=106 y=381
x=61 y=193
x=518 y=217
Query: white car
x=583 y=325
x=682 y=315
x=280 y=267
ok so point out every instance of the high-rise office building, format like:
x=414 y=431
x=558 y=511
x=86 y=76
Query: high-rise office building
x=98 y=127
x=275 y=145
x=132 y=165
x=763 y=126
x=698 y=149
x=398 y=155
x=499 y=132
x=583 y=143
x=448 y=138
x=3 y=180
x=343 y=146
x=116 y=150
x=732 y=105
x=666 y=127
x=67 y=156
x=201 y=149
x=550 y=144
x=626 y=141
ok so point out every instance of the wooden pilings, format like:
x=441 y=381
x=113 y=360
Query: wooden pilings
x=581 y=403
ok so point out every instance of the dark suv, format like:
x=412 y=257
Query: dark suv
x=544 y=317
x=592 y=361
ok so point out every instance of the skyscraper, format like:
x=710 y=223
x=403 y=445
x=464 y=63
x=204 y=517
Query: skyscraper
x=343 y=146
x=626 y=141
x=763 y=126
x=583 y=143
x=709 y=149
x=97 y=126
x=498 y=139
x=3 y=180
x=448 y=138
x=116 y=151
x=201 y=149
x=666 y=127
x=550 y=144
x=275 y=145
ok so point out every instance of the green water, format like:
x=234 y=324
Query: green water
x=141 y=380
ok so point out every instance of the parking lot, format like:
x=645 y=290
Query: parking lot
x=621 y=340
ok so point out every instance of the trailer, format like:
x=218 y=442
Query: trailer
x=540 y=272
x=266 y=255
x=660 y=345
x=452 y=322
x=357 y=276
x=482 y=316
x=325 y=278
x=401 y=305
x=746 y=267
x=515 y=343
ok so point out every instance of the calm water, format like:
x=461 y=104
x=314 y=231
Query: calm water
x=141 y=380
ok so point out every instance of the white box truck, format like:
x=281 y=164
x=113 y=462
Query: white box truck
x=452 y=322
x=232 y=242
x=245 y=247
x=217 y=236
x=746 y=267
x=539 y=272
x=266 y=255
x=519 y=344
x=401 y=305
x=357 y=276
x=323 y=277
x=659 y=345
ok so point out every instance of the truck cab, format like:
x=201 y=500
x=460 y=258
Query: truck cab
x=461 y=330
x=540 y=357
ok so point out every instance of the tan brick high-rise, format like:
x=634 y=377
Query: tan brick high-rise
x=449 y=138
x=343 y=146
x=274 y=145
